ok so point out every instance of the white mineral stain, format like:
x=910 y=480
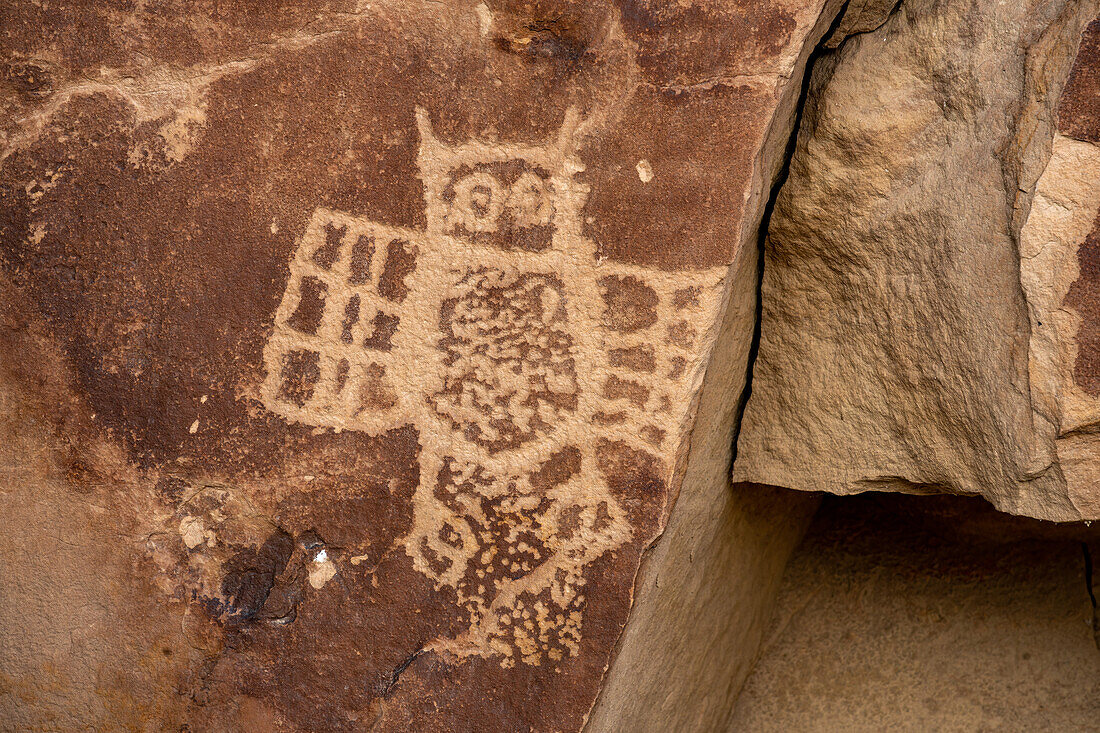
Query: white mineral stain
x=322 y=571
x=484 y=18
x=645 y=170
x=194 y=427
x=192 y=532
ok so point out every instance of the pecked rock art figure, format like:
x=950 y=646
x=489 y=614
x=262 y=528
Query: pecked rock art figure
x=521 y=359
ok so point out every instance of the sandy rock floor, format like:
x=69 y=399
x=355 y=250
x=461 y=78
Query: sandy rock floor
x=897 y=614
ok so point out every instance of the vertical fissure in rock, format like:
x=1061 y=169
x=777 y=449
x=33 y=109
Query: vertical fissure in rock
x=395 y=676
x=828 y=46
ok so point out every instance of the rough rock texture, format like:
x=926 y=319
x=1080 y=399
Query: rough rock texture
x=942 y=188
x=928 y=613
x=1060 y=271
x=351 y=354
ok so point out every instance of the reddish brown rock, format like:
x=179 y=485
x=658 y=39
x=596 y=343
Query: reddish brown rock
x=1079 y=105
x=360 y=345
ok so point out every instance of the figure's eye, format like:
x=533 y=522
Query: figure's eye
x=529 y=201
x=481 y=199
x=478 y=202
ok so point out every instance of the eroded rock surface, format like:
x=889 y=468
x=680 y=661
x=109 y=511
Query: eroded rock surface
x=927 y=293
x=1059 y=249
x=928 y=613
x=359 y=347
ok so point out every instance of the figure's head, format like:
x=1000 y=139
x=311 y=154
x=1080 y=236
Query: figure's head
x=504 y=195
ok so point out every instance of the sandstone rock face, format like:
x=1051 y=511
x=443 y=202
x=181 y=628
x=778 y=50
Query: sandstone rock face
x=1058 y=255
x=926 y=294
x=352 y=354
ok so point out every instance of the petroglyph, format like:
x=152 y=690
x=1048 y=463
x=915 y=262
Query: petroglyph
x=531 y=368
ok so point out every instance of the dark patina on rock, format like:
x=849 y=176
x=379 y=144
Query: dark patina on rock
x=1079 y=117
x=379 y=328
x=1079 y=107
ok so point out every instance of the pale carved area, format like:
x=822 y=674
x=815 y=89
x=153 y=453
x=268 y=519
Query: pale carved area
x=524 y=360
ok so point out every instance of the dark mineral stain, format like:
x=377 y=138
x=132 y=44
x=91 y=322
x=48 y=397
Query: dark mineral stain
x=1084 y=297
x=159 y=283
x=1079 y=107
x=351 y=317
x=1079 y=117
x=609 y=418
x=635 y=358
x=171 y=489
x=311 y=308
x=400 y=263
x=628 y=469
x=250 y=574
x=383 y=328
x=325 y=255
x=30 y=78
x=686 y=212
x=362 y=251
x=685 y=43
x=682 y=334
x=543 y=39
x=300 y=374
x=547 y=31
x=557 y=469
x=685 y=297
x=652 y=434
x=509 y=233
x=615 y=388
x=374 y=393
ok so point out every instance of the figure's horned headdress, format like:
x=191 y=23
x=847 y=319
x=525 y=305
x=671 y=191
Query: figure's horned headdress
x=507 y=195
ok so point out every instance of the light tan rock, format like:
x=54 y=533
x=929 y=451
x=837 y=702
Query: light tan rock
x=928 y=613
x=897 y=350
x=1063 y=215
x=1059 y=248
